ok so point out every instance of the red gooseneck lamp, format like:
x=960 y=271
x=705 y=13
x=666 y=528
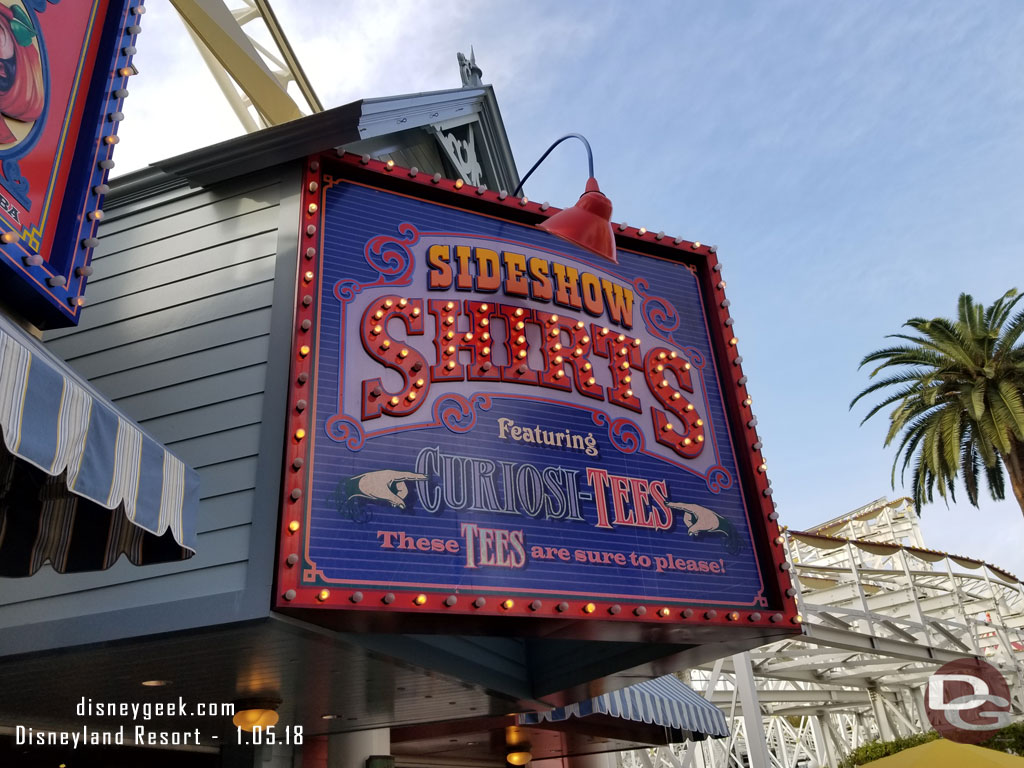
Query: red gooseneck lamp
x=588 y=223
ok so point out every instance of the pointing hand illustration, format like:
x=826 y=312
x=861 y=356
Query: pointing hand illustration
x=697 y=518
x=701 y=520
x=382 y=485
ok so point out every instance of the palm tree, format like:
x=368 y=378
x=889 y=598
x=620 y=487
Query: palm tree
x=958 y=400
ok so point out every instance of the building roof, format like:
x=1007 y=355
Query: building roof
x=349 y=126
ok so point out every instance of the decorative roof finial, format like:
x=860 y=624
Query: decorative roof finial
x=469 y=71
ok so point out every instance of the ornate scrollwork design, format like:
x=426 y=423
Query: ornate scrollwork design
x=390 y=256
x=343 y=429
x=694 y=356
x=660 y=316
x=624 y=434
x=459 y=414
x=347 y=289
x=719 y=479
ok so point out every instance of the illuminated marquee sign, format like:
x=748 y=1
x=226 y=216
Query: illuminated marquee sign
x=64 y=65
x=489 y=420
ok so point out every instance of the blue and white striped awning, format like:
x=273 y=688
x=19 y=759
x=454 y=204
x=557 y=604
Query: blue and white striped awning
x=665 y=701
x=80 y=483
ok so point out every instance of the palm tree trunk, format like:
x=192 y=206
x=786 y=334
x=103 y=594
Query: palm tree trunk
x=1014 y=462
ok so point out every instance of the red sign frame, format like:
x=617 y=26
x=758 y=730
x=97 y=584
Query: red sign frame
x=391 y=610
x=59 y=119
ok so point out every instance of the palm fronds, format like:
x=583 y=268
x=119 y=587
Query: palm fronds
x=954 y=390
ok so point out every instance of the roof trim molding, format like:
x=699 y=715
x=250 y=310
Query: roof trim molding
x=271 y=146
x=336 y=128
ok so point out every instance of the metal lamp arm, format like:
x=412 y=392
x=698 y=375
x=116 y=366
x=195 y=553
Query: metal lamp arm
x=529 y=173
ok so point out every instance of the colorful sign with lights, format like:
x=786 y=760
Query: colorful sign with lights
x=63 y=69
x=487 y=419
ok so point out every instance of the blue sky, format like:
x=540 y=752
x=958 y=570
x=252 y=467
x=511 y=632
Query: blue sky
x=856 y=163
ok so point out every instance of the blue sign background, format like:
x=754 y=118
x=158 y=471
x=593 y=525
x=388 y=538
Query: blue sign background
x=374 y=244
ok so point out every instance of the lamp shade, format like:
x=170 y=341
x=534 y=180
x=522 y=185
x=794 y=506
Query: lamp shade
x=587 y=224
x=261 y=716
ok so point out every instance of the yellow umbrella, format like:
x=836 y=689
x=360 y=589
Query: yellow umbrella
x=943 y=753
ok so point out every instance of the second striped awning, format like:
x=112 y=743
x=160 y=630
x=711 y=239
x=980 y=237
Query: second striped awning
x=665 y=701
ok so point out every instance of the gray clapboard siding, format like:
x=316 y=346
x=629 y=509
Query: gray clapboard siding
x=220 y=213
x=181 y=292
x=226 y=510
x=211 y=449
x=159 y=323
x=206 y=259
x=147 y=207
x=197 y=365
x=171 y=344
x=178 y=333
x=227 y=477
x=213 y=389
x=196 y=422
